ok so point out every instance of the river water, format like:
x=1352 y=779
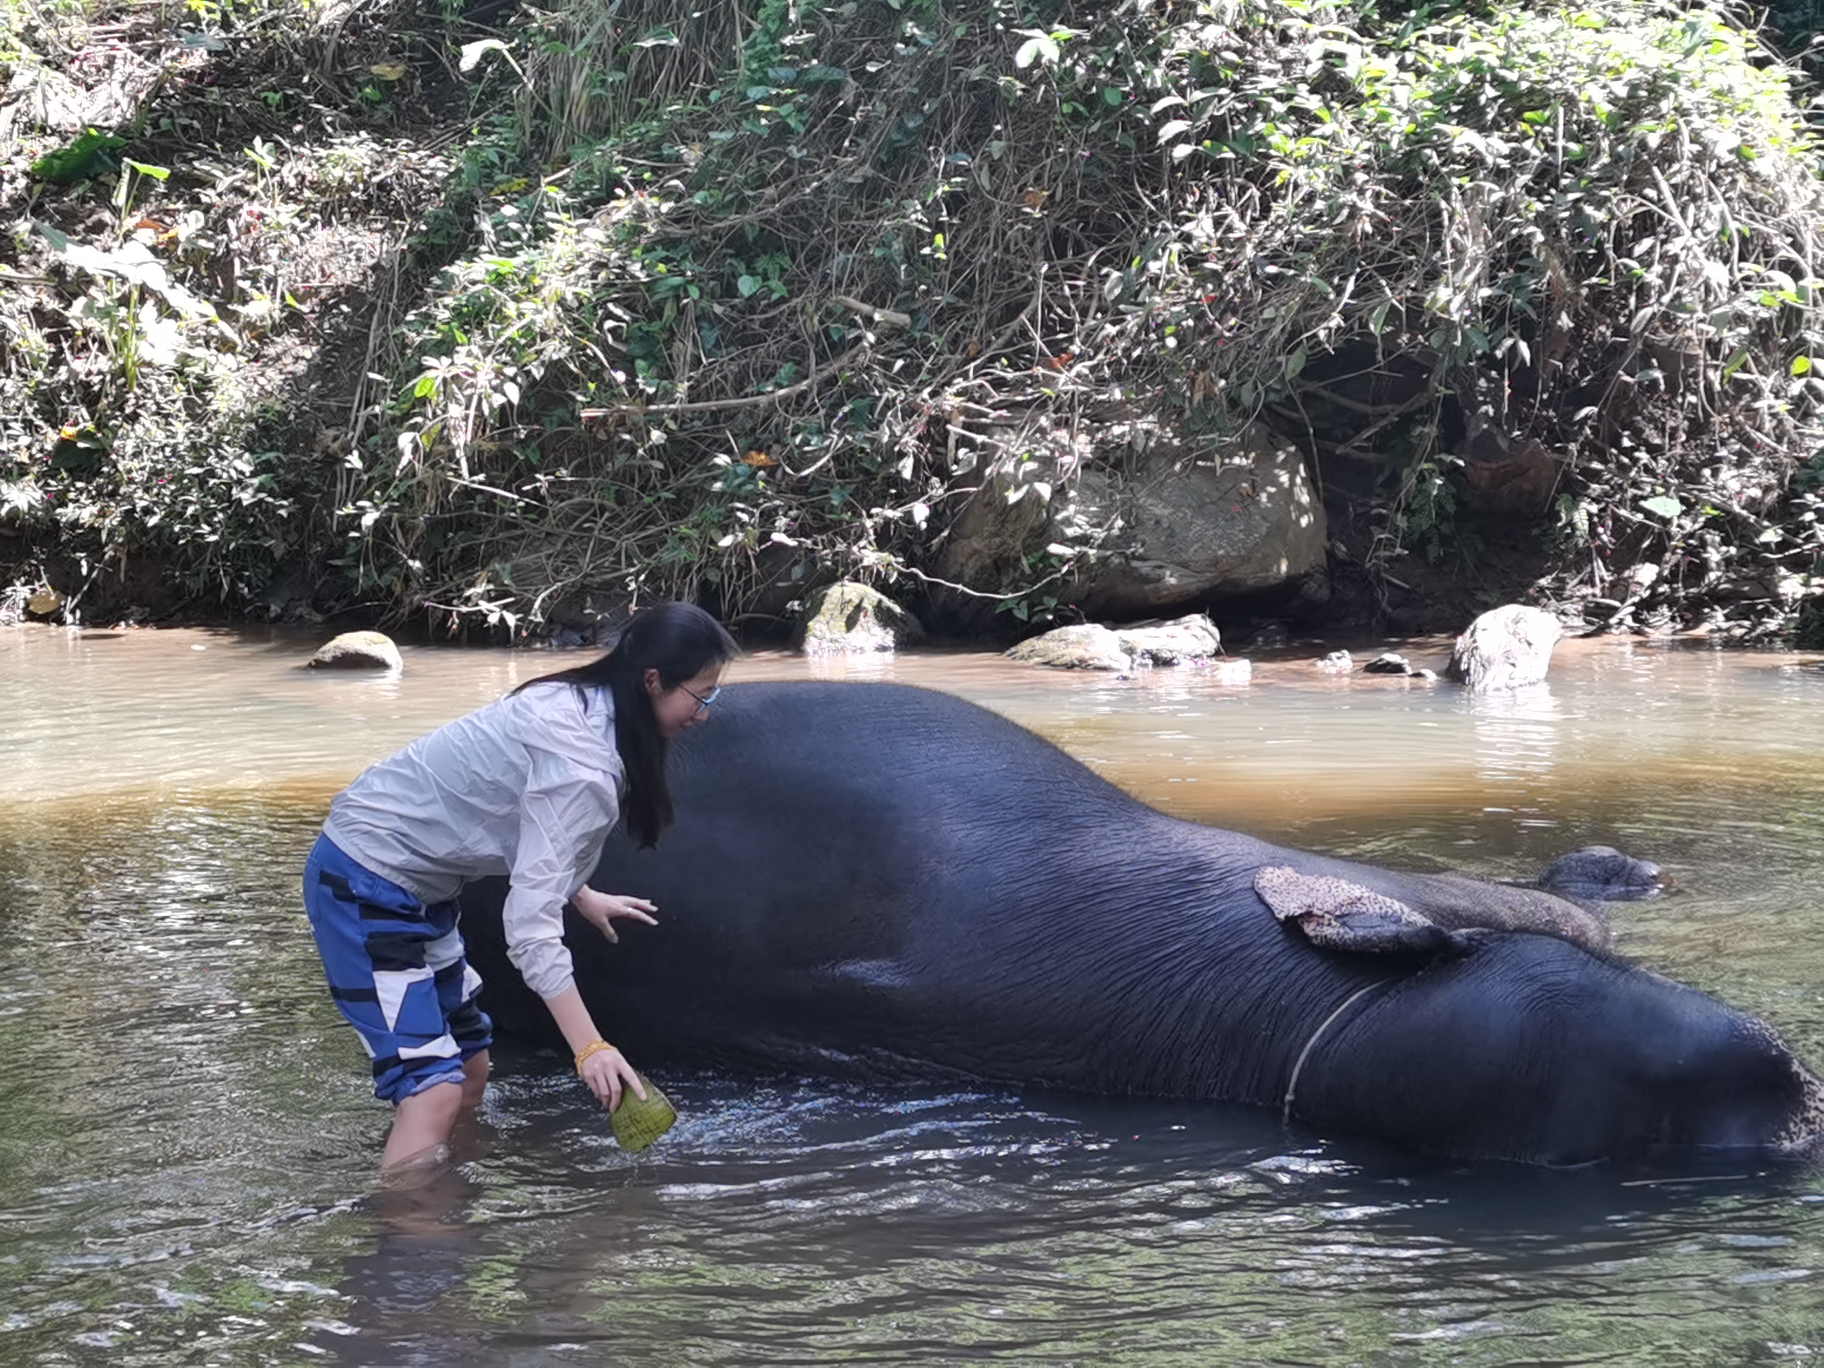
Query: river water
x=188 y=1147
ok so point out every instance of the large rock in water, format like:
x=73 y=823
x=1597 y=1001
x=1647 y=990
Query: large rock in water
x=852 y=619
x=357 y=651
x=1506 y=648
x=1091 y=646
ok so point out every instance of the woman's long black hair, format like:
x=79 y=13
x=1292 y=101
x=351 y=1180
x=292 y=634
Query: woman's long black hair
x=680 y=641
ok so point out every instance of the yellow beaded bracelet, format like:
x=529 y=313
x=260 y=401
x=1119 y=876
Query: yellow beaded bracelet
x=593 y=1047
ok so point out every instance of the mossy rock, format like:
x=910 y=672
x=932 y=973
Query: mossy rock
x=1081 y=646
x=44 y=602
x=847 y=618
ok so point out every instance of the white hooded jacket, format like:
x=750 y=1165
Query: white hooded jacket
x=528 y=786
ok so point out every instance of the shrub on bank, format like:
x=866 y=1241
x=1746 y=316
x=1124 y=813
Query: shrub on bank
x=929 y=236
x=737 y=297
x=201 y=216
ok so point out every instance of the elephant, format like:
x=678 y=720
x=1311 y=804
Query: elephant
x=880 y=882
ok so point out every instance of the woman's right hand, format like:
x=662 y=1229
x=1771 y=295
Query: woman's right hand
x=600 y=910
x=607 y=1073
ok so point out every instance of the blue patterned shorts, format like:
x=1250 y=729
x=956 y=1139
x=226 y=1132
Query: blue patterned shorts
x=396 y=971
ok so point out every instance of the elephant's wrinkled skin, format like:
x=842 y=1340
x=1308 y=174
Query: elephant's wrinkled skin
x=880 y=881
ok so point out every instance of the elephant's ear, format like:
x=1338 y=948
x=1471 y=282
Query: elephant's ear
x=1338 y=915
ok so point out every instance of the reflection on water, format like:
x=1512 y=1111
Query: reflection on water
x=1517 y=734
x=187 y=1147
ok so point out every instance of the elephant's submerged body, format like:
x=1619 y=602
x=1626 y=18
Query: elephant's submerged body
x=880 y=881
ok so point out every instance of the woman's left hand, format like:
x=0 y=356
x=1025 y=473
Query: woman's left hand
x=600 y=910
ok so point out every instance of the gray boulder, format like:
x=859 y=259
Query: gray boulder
x=1149 y=520
x=1009 y=520
x=1084 y=646
x=1200 y=523
x=1181 y=641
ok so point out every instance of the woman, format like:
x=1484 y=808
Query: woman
x=528 y=786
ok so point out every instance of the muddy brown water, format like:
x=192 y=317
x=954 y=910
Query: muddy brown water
x=187 y=1147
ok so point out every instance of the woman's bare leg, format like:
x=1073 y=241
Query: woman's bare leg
x=421 y=1124
x=474 y=1080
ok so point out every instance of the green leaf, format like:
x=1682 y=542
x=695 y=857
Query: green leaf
x=1801 y=365
x=89 y=156
x=747 y=284
x=1664 y=506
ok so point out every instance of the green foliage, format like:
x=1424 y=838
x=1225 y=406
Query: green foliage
x=1421 y=514
x=1211 y=201
x=1589 y=228
x=154 y=351
x=1795 y=27
x=91 y=155
x=1808 y=630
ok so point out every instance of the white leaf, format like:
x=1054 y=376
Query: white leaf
x=1040 y=47
x=473 y=52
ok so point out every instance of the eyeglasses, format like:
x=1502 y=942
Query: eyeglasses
x=703 y=700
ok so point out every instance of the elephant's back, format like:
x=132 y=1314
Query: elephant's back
x=915 y=883
x=884 y=747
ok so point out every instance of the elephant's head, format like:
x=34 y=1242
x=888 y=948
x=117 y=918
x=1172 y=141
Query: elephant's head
x=1497 y=1044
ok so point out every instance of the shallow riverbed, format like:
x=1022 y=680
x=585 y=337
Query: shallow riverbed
x=187 y=1146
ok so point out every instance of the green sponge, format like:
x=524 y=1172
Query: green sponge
x=637 y=1124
